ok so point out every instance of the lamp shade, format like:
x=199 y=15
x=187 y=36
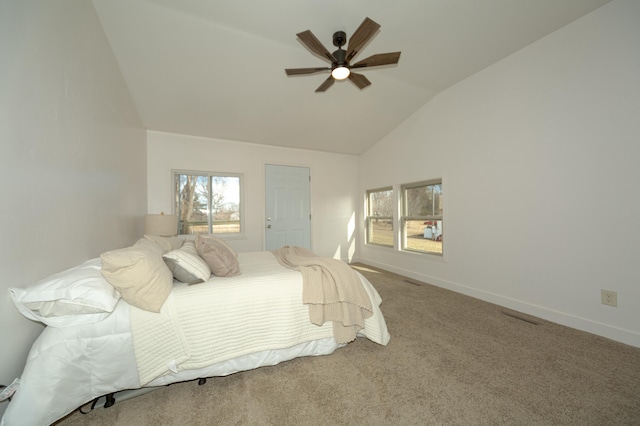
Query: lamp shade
x=164 y=225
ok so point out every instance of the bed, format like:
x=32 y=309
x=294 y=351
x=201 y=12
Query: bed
x=251 y=318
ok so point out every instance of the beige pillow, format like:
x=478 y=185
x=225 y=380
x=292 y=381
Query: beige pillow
x=166 y=243
x=186 y=265
x=139 y=274
x=221 y=258
x=151 y=245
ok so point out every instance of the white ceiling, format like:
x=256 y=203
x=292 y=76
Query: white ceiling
x=215 y=68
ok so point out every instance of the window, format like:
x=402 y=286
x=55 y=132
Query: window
x=208 y=203
x=380 y=217
x=422 y=217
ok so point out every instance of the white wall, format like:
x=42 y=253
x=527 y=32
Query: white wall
x=334 y=185
x=539 y=157
x=72 y=154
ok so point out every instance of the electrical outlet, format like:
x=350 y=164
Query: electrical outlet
x=609 y=297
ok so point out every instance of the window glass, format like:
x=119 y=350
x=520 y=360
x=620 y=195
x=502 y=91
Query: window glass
x=424 y=200
x=422 y=217
x=208 y=203
x=380 y=217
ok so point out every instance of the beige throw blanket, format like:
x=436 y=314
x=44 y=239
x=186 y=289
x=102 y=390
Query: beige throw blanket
x=331 y=289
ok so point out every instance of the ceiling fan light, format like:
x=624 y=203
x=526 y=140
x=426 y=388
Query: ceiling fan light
x=340 y=72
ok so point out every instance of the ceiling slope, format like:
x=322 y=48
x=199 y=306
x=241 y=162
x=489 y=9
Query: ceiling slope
x=216 y=68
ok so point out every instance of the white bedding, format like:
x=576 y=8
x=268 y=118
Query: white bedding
x=70 y=366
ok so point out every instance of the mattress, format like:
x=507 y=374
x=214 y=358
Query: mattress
x=70 y=366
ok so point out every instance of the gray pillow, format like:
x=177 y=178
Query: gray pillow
x=186 y=265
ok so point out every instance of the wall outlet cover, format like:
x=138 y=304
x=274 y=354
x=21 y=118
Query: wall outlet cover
x=609 y=297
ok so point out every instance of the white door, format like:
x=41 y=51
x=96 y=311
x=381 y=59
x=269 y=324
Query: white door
x=288 y=212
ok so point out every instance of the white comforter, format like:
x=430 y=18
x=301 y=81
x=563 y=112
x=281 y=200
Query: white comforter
x=233 y=331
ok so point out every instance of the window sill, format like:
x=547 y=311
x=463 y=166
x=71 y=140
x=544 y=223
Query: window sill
x=225 y=237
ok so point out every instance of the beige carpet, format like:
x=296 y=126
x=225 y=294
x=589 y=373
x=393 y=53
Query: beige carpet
x=451 y=360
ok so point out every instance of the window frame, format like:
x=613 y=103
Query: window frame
x=369 y=216
x=210 y=221
x=404 y=217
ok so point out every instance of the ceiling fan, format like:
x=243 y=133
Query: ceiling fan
x=340 y=59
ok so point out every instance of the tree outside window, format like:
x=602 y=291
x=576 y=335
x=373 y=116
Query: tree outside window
x=208 y=202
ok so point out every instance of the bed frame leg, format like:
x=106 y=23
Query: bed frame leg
x=202 y=382
x=109 y=400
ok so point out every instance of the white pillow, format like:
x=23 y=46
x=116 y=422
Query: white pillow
x=76 y=296
x=186 y=265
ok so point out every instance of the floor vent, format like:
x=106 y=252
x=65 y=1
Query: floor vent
x=509 y=314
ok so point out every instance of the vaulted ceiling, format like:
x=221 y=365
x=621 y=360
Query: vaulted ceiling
x=215 y=68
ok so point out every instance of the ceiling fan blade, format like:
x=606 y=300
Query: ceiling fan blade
x=359 y=80
x=325 y=85
x=312 y=42
x=379 y=59
x=361 y=36
x=299 y=71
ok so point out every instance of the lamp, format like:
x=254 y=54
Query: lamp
x=340 y=72
x=164 y=225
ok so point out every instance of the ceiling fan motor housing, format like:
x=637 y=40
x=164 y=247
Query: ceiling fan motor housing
x=339 y=38
x=340 y=56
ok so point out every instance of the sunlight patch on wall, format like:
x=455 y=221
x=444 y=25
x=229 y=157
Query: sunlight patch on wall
x=351 y=236
x=336 y=254
x=351 y=227
x=352 y=249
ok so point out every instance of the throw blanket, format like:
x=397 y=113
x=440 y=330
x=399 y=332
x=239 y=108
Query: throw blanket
x=331 y=289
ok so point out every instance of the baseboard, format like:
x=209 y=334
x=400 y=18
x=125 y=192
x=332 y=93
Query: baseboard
x=625 y=336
